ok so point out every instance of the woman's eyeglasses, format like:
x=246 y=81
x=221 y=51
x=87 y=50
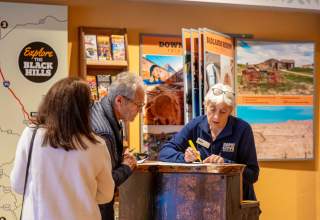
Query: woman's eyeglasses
x=217 y=91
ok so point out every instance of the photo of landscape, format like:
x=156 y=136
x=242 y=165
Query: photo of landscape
x=280 y=132
x=269 y=68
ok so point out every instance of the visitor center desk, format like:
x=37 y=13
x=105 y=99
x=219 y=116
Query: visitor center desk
x=172 y=191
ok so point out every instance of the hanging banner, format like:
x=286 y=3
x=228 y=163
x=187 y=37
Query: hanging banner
x=161 y=67
x=196 y=95
x=187 y=74
x=212 y=61
x=275 y=87
x=201 y=70
x=33 y=42
x=218 y=59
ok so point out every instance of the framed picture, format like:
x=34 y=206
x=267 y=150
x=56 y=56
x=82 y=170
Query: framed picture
x=275 y=94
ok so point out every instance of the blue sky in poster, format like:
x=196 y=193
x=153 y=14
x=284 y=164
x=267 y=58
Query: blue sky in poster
x=274 y=114
x=176 y=62
x=254 y=52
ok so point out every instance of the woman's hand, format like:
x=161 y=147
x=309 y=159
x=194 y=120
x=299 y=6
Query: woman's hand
x=214 y=159
x=191 y=155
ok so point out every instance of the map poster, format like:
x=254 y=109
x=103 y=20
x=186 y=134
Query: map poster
x=33 y=55
x=161 y=67
x=275 y=87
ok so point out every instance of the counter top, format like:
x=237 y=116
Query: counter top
x=165 y=167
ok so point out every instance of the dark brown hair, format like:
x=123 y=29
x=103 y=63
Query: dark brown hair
x=64 y=112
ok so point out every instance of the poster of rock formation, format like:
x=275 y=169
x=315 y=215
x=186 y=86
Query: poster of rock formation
x=161 y=67
x=275 y=87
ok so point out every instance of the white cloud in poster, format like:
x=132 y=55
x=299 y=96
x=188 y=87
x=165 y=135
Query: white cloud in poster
x=254 y=52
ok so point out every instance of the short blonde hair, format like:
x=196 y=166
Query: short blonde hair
x=220 y=93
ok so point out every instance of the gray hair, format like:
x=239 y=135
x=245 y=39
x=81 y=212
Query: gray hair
x=126 y=84
x=220 y=93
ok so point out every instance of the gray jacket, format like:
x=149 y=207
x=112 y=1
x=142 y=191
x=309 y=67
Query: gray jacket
x=105 y=124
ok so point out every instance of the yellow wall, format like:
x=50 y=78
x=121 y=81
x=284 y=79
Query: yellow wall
x=286 y=190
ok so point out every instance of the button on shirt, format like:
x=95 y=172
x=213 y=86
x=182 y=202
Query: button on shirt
x=235 y=144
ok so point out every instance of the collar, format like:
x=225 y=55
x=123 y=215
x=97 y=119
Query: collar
x=227 y=130
x=107 y=106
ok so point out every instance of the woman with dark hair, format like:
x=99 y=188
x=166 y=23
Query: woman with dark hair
x=70 y=169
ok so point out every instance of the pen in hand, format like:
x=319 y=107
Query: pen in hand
x=195 y=149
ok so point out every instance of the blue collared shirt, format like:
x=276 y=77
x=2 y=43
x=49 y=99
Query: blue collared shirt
x=235 y=144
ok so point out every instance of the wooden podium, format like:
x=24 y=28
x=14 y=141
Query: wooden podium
x=172 y=191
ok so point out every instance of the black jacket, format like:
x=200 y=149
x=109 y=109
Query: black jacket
x=105 y=124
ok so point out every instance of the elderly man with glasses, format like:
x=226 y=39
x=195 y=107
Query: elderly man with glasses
x=219 y=137
x=123 y=103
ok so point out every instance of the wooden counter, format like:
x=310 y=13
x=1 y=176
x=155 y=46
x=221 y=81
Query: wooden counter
x=169 y=191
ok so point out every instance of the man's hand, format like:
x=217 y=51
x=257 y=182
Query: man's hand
x=214 y=159
x=191 y=155
x=129 y=160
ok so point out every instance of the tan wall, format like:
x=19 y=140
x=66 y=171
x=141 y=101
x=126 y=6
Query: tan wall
x=287 y=190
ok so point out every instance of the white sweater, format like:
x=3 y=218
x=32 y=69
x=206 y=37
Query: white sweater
x=62 y=185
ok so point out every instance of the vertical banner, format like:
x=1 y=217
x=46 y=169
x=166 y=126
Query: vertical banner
x=196 y=98
x=33 y=42
x=187 y=75
x=218 y=59
x=201 y=70
x=212 y=61
x=161 y=67
x=275 y=87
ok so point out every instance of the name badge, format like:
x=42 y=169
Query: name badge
x=228 y=147
x=202 y=142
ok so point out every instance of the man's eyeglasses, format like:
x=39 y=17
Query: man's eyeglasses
x=217 y=91
x=138 y=104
